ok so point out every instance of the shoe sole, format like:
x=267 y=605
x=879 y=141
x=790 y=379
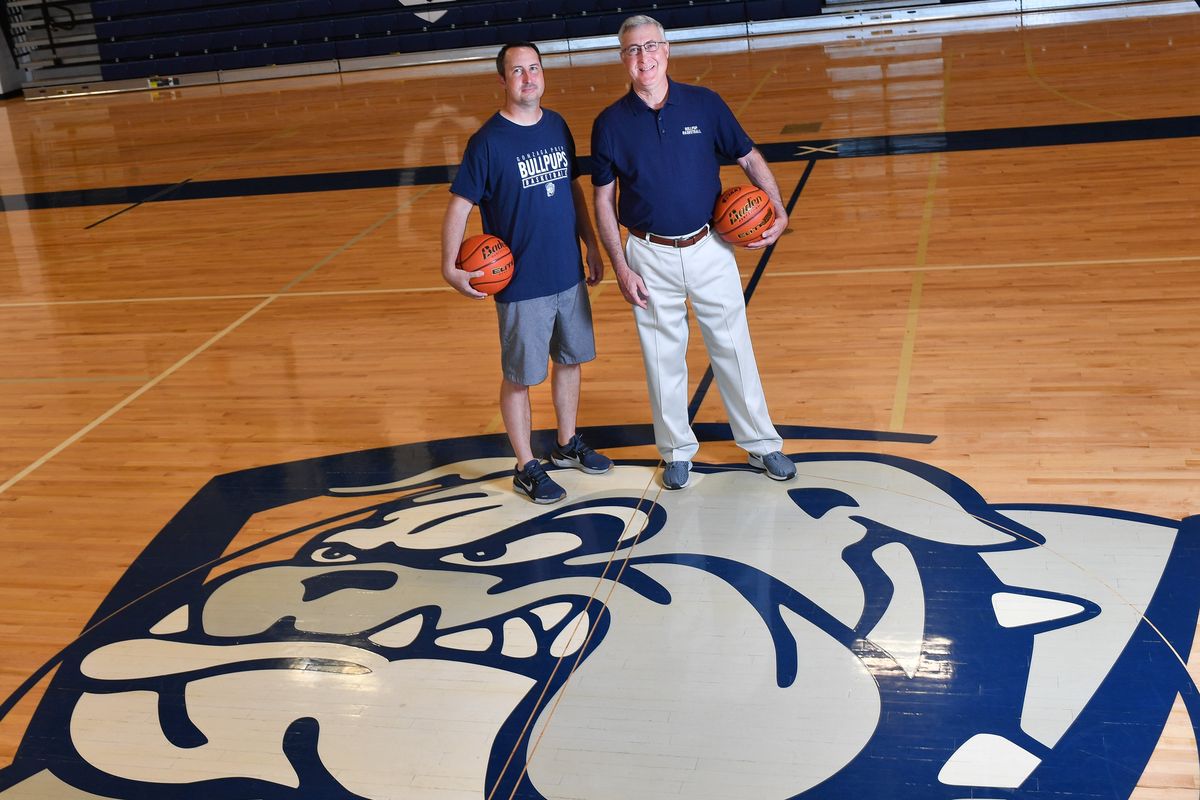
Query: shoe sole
x=542 y=502
x=770 y=474
x=567 y=463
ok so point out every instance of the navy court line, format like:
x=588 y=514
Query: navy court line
x=150 y=199
x=235 y=187
x=862 y=147
x=706 y=381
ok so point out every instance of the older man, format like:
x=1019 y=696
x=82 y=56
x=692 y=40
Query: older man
x=662 y=143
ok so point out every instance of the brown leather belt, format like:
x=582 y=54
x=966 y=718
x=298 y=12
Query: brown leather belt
x=682 y=241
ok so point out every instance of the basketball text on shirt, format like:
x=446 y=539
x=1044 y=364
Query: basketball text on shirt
x=543 y=166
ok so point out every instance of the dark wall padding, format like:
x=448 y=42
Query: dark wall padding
x=141 y=38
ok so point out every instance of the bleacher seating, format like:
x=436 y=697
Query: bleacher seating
x=140 y=38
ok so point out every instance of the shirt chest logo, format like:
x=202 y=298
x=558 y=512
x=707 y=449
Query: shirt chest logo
x=691 y=129
x=543 y=167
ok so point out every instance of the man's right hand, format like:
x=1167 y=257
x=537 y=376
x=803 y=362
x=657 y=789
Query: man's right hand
x=460 y=279
x=632 y=287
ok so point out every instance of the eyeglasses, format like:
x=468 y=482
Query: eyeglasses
x=634 y=49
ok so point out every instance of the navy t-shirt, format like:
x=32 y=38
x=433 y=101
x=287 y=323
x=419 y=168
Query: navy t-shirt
x=520 y=177
x=667 y=160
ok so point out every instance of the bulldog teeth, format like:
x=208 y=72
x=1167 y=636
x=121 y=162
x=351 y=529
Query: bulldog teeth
x=572 y=636
x=175 y=622
x=402 y=634
x=519 y=639
x=552 y=614
x=475 y=639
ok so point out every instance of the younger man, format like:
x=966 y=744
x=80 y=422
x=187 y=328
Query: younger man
x=520 y=169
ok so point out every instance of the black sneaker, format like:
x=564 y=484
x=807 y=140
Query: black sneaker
x=577 y=454
x=533 y=481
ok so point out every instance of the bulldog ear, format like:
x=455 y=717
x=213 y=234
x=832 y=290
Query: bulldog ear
x=819 y=502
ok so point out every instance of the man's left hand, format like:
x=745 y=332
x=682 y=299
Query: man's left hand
x=595 y=266
x=772 y=233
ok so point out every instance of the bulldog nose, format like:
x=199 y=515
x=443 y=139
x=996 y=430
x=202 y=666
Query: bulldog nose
x=327 y=583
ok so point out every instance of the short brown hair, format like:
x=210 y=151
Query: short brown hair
x=510 y=46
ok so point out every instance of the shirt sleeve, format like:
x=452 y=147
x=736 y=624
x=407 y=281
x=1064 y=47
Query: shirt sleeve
x=572 y=159
x=602 y=156
x=732 y=142
x=471 y=181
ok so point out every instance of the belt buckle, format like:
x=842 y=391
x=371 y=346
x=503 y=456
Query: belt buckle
x=688 y=241
x=680 y=242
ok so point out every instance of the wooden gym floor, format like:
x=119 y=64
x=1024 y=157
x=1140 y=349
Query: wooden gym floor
x=979 y=338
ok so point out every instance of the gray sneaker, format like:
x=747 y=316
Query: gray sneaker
x=675 y=474
x=777 y=466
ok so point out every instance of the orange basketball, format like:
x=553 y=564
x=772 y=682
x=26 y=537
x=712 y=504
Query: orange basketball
x=742 y=214
x=488 y=253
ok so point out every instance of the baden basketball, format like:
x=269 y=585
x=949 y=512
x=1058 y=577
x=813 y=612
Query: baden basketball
x=742 y=214
x=488 y=253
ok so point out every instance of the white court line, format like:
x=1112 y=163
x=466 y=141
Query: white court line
x=214 y=297
x=79 y=379
x=86 y=429
x=1108 y=262
x=1104 y=262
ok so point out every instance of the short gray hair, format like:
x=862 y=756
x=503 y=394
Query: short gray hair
x=637 y=21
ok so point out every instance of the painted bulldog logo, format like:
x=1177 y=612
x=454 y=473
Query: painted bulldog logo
x=873 y=628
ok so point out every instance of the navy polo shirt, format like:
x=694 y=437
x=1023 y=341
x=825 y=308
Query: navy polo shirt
x=520 y=177
x=667 y=160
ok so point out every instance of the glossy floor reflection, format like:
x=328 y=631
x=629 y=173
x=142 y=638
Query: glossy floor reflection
x=872 y=623
x=990 y=273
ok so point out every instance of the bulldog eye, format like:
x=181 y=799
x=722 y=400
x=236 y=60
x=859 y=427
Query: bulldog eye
x=480 y=556
x=531 y=548
x=332 y=554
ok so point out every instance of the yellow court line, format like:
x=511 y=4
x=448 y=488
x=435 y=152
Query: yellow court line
x=141 y=390
x=947 y=62
x=908 y=347
x=746 y=104
x=292 y=131
x=1032 y=69
x=495 y=424
x=909 y=344
x=362 y=235
x=613 y=583
x=284 y=133
x=171 y=370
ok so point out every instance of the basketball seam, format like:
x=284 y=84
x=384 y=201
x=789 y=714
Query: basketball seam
x=749 y=226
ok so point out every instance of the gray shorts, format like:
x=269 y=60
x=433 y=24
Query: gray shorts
x=558 y=326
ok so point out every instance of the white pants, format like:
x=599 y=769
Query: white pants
x=706 y=274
